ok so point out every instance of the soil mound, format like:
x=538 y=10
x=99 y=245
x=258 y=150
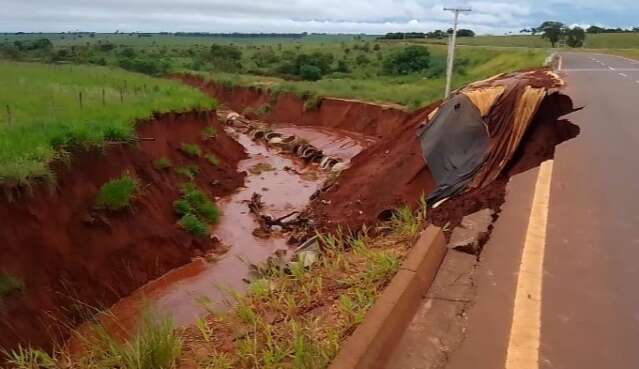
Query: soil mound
x=68 y=253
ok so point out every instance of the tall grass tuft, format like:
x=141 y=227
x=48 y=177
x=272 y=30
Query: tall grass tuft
x=196 y=210
x=117 y=194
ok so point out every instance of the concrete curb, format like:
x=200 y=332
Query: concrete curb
x=374 y=340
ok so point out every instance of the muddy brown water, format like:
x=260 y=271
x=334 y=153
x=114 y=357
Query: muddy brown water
x=190 y=291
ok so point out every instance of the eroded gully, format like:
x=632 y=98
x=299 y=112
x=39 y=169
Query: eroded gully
x=203 y=285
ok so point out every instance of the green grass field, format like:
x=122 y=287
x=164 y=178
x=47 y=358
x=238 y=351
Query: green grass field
x=45 y=109
x=593 y=41
x=411 y=91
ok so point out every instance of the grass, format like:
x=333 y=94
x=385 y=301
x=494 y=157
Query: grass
x=297 y=316
x=411 y=91
x=593 y=41
x=188 y=171
x=156 y=345
x=209 y=133
x=117 y=193
x=162 y=163
x=191 y=150
x=211 y=158
x=49 y=109
x=9 y=284
x=196 y=210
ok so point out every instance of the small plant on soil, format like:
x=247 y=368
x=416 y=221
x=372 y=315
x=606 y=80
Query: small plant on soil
x=212 y=159
x=260 y=168
x=313 y=102
x=162 y=163
x=117 y=193
x=263 y=110
x=191 y=150
x=196 y=210
x=188 y=171
x=9 y=285
x=209 y=133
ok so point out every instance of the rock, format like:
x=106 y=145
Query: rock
x=472 y=232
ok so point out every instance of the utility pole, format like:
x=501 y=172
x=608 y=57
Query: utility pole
x=451 y=47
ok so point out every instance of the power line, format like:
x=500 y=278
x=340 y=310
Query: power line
x=451 y=46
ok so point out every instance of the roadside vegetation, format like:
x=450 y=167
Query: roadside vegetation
x=155 y=345
x=294 y=315
x=48 y=110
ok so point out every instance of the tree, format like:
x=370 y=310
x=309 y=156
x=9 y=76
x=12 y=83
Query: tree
x=411 y=59
x=465 y=33
x=310 y=73
x=575 y=37
x=595 y=29
x=552 y=31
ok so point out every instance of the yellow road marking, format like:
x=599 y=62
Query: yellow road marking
x=523 y=345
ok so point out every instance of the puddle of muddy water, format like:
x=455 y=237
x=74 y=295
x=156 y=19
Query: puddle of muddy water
x=189 y=291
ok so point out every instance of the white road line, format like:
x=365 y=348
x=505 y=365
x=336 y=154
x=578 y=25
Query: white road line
x=623 y=74
x=611 y=68
x=637 y=81
x=523 y=345
x=560 y=63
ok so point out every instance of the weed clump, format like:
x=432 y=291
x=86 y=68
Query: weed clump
x=313 y=102
x=209 y=133
x=188 y=171
x=162 y=163
x=260 y=168
x=196 y=210
x=9 y=284
x=191 y=150
x=117 y=194
x=212 y=159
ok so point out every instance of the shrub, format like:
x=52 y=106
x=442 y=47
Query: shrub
x=162 y=163
x=411 y=59
x=191 y=150
x=117 y=193
x=9 y=284
x=310 y=73
x=196 y=210
x=188 y=171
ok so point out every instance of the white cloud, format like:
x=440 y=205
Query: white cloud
x=370 y=16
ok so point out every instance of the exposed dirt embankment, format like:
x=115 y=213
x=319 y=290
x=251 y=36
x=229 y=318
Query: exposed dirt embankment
x=68 y=253
x=355 y=116
x=392 y=172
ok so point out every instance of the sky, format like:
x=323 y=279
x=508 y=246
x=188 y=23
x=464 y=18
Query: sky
x=289 y=16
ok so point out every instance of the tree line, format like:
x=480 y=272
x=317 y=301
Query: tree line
x=437 y=34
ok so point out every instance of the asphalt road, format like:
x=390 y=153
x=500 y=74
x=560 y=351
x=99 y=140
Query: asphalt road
x=590 y=296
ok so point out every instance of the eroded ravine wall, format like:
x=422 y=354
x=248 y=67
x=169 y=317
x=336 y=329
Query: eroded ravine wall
x=68 y=253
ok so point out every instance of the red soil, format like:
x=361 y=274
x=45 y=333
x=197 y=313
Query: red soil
x=392 y=172
x=355 y=116
x=67 y=252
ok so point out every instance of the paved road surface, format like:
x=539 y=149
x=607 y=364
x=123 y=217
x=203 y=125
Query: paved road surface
x=589 y=303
